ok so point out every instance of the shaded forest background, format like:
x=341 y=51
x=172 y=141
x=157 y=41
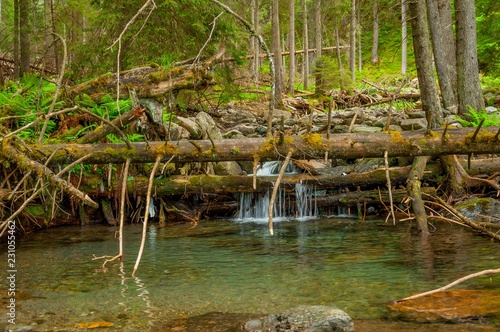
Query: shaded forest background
x=171 y=31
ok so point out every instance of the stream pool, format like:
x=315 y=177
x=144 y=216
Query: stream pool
x=190 y=273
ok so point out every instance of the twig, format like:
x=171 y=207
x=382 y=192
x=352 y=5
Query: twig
x=119 y=41
x=146 y=214
x=275 y=191
x=456 y=282
x=37 y=120
x=122 y=205
x=389 y=187
x=109 y=123
x=197 y=59
x=468 y=222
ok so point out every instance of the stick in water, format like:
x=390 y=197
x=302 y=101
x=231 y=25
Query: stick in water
x=275 y=191
x=146 y=214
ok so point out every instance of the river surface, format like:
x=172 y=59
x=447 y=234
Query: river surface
x=196 y=273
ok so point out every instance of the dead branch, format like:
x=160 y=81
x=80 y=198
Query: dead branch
x=467 y=221
x=146 y=214
x=275 y=191
x=454 y=283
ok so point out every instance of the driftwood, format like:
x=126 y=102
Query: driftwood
x=308 y=146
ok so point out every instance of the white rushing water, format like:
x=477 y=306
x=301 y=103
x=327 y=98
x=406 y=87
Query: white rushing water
x=298 y=204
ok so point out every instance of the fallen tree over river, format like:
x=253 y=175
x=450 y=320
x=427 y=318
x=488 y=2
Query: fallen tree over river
x=464 y=141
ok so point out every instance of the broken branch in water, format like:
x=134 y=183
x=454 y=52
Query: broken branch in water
x=456 y=282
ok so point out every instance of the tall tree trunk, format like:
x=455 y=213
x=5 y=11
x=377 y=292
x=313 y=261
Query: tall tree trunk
x=440 y=56
x=423 y=60
x=359 y=29
x=317 y=29
x=374 y=57
x=24 y=37
x=255 y=42
x=291 y=48
x=352 y=41
x=337 y=45
x=276 y=49
x=404 y=37
x=469 y=89
x=50 y=49
x=16 y=39
x=305 y=59
x=430 y=102
x=446 y=18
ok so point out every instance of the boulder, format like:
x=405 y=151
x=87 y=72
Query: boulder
x=318 y=318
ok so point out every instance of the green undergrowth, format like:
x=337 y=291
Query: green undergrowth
x=473 y=118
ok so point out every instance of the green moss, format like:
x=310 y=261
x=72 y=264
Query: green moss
x=35 y=210
x=471 y=204
x=167 y=149
x=397 y=137
x=235 y=151
x=314 y=140
x=481 y=137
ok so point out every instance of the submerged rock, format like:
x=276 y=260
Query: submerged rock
x=451 y=305
x=479 y=209
x=317 y=318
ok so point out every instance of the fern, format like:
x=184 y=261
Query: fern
x=472 y=118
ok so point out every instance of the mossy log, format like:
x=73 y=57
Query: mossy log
x=151 y=81
x=26 y=164
x=308 y=146
x=210 y=184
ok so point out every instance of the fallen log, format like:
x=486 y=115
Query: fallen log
x=308 y=146
x=151 y=81
x=204 y=184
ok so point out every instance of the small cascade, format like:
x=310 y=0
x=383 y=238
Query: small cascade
x=255 y=206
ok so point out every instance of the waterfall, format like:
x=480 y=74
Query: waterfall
x=255 y=206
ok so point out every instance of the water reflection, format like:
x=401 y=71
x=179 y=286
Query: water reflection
x=237 y=267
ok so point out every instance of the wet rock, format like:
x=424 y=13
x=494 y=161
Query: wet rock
x=451 y=305
x=414 y=124
x=303 y=319
x=235 y=116
x=478 y=209
x=365 y=129
x=209 y=130
x=189 y=125
x=491 y=109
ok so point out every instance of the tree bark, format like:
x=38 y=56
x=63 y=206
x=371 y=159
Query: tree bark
x=404 y=37
x=352 y=41
x=215 y=184
x=305 y=59
x=374 y=57
x=291 y=48
x=151 y=82
x=423 y=61
x=469 y=89
x=275 y=46
x=16 y=39
x=24 y=38
x=441 y=57
x=318 y=36
x=447 y=26
x=255 y=42
x=308 y=146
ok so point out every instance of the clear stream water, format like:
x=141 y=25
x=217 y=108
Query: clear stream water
x=234 y=267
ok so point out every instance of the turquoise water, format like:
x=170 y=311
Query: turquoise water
x=223 y=266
